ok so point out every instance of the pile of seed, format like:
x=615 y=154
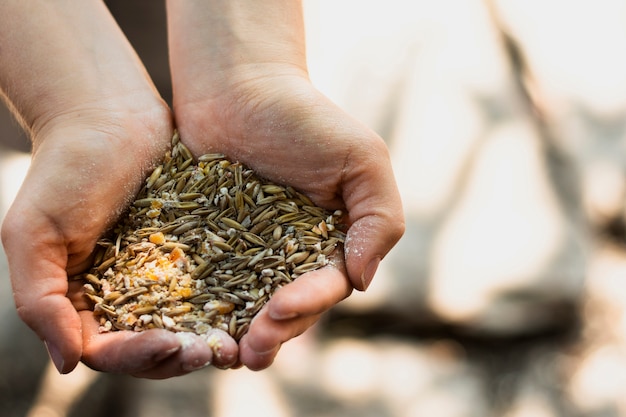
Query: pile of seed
x=205 y=245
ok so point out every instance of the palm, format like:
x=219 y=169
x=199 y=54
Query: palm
x=288 y=132
x=80 y=181
x=285 y=130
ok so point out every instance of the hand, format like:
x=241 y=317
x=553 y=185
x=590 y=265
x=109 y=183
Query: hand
x=241 y=87
x=95 y=133
x=82 y=176
x=98 y=126
x=284 y=129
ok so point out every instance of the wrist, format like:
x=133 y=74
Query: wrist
x=67 y=59
x=133 y=117
x=220 y=43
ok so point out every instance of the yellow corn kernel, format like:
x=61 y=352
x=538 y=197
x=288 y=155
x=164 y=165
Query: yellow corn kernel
x=157 y=238
x=176 y=254
x=185 y=292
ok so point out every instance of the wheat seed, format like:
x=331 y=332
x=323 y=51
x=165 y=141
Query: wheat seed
x=204 y=245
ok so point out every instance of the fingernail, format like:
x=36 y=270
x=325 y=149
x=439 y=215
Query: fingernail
x=166 y=354
x=55 y=355
x=370 y=271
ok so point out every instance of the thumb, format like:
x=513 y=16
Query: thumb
x=375 y=214
x=40 y=286
x=368 y=240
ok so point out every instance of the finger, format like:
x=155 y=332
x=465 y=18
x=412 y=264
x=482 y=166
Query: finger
x=196 y=352
x=259 y=347
x=125 y=351
x=40 y=285
x=291 y=311
x=156 y=353
x=76 y=295
x=375 y=210
x=312 y=293
x=225 y=349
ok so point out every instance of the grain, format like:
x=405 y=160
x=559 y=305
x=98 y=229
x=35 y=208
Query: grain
x=205 y=245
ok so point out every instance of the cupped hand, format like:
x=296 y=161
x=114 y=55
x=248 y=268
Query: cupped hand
x=85 y=170
x=273 y=120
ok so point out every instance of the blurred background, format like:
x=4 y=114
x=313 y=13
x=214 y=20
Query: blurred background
x=506 y=121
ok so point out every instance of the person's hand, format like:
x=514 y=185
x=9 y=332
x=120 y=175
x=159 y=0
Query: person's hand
x=83 y=175
x=241 y=88
x=248 y=95
x=287 y=131
x=98 y=126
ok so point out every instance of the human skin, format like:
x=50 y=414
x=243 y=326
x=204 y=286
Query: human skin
x=98 y=126
x=241 y=87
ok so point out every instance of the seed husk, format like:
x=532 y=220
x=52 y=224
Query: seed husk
x=205 y=245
